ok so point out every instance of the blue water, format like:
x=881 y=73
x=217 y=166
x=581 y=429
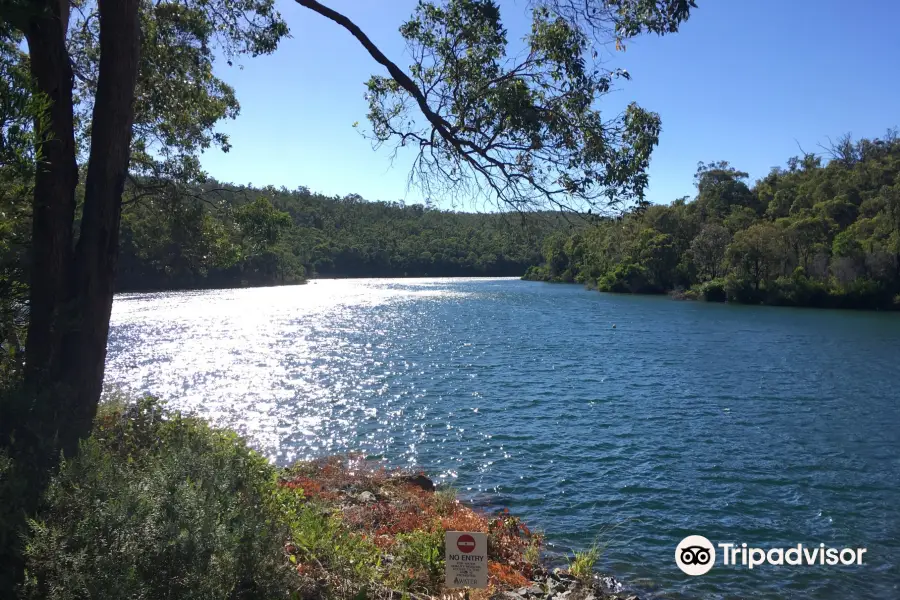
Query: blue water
x=766 y=426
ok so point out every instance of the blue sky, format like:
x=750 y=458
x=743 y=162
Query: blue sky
x=744 y=81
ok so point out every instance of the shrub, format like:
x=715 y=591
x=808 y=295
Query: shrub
x=797 y=290
x=321 y=546
x=157 y=505
x=713 y=291
x=625 y=279
x=582 y=566
x=740 y=290
x=537 y=273
x=863 y=293
x=422 y=553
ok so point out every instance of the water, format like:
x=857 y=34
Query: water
x=760 y=425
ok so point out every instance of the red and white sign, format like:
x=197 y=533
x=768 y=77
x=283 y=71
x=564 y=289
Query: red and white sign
x=465 y=543
x=465 y=556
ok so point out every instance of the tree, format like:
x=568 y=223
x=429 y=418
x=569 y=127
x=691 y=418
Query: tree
x=262 y=225
x=555 y=254
x=98 y=84
x=807 y=236
x=721 y=188
x=708 y=250
x=656 y=252
x=756 y=253
x=92 y=119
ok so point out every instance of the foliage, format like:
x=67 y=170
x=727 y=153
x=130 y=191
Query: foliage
x=524 y=131
x=628 y=278
x=160 y=505
x=367 y=522
x=157 y=505
x=422 y=552
x=817 y=233
x=245 y=236
x=179 y=99
x=582 y=565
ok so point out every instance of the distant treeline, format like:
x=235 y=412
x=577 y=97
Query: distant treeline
x=822 y=232
x=225 y=236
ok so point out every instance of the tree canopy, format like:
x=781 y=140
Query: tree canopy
x=523 y=130
x=817 y=233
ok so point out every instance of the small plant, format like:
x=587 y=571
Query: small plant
x=532 y=554
x=445 y=501
x=582 y=566
x=422 y=552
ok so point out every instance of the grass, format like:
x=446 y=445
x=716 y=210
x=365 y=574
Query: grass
x=582 y=565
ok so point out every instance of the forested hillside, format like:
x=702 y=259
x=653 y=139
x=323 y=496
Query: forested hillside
x=231 y=236
x=820 y=232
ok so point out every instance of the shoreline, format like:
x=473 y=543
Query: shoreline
x=387 y=505
x=155 y=499
x=306 y=281
x=696 y=296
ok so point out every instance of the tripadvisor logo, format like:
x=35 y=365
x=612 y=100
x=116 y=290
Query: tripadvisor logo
x=696 y=555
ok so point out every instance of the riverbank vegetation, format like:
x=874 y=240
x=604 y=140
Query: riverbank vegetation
x=161 y=505
x=241 y=235
x=822 y=232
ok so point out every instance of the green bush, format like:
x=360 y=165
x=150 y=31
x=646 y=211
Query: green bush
x=740 y=290
x=536 y=273
x=863 y=293
x=625 y=279
x=318 y=537
x=798 y=290
x=713 y=291
x=157 y=505
x=422 y=552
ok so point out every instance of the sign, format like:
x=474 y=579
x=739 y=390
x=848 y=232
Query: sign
x=465 y=557
x=465 y=543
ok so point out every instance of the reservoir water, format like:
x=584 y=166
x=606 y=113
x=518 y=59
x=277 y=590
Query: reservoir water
x=627 y=421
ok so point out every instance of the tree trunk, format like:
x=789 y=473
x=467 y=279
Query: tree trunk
x=53 y=206
x=29 y=421
x=93 y=281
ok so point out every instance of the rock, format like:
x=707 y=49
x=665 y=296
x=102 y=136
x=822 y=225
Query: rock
x=533 y=590
x=563 y=575
x=366 y=497
x=608 y=583
x=419 y=481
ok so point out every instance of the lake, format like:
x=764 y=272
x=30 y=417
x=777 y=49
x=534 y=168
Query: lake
x=627 y=421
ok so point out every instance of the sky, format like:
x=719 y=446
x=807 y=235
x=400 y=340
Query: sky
x=747 y=81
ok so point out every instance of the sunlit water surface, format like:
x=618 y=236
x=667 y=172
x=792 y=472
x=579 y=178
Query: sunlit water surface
x=759 y=425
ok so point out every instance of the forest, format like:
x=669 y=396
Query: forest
x=229 y=236
x=824 y=231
